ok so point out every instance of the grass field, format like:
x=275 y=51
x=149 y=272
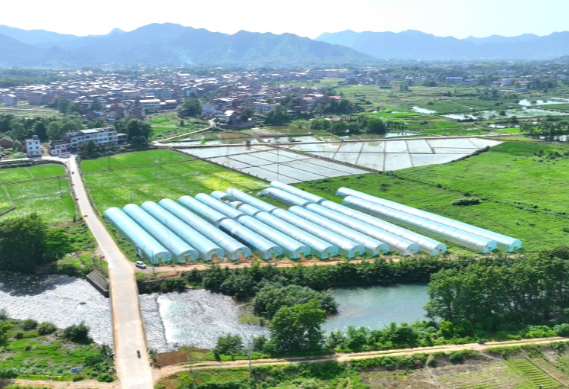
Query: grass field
x=28 y=173
x=23 y=109
x=131 y=160
x=118 y=188
x=523 y=195
x=168 y=124
x=42 y=197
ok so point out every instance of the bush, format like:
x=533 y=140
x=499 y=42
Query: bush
x=105 y=377
x=77 y=333
x=229 y=345
x=3 y=315
x=29 y=324
x=562 y=329
x=432 y=361
x=466 y=201
x=46 y=328
x=19 y=335
x=456 y=357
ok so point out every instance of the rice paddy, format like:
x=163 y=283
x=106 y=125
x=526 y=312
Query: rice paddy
x=129 y=160
x=29 y=173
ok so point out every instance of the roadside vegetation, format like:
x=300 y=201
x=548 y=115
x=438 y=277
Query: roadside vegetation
x=40 y=351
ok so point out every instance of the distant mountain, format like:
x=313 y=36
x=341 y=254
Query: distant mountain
x=173 y=44
x=40 y=38
x=418 y=45
x=503 y=39
x=16 y=53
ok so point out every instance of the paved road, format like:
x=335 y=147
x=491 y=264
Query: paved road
x=128 y=328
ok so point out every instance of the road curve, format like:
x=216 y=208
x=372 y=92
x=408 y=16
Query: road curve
x=128 y=328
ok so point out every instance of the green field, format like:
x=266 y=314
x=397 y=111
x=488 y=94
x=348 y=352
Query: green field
x=168 y=124
x=121 y=187
x=28 y=173
x=524 y=197
x=42 y=197
x=141 y=158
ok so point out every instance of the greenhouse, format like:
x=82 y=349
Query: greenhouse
x=206 y=248
x=233 y=248
x=291 y=247
x=264 y=247
x=503 y=242
x=248 y=199
x=396 y=243
x=425 y=244
x=283 y=197
x=458 y=237
x=180 y=250
x=297 y=192
x=145 y=245
x=373 y=246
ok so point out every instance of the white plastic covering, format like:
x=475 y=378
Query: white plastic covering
x=266 y=248
x=233 y=248
x=318 y=246
x=503 y=242
x=283 y=197
x=346 y=246
x=425 y=244
x=291 y=247
x=207 y=213
x=373 y=246
x=297 y=192
x=203 y=245
x=180 y=250
x=248 y=199
x=453 y=235
x=395 y=243
x=146 y=246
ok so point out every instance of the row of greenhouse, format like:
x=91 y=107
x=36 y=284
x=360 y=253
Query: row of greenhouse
x=234 y=224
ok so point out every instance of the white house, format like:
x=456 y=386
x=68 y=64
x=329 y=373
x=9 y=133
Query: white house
x=33 y=146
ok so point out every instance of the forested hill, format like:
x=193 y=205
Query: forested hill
x=169 y=44
x=419 y=45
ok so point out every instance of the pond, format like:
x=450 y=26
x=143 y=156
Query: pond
x=199 y=317
x=520 y=113
x=423 y=110
x=60 y=299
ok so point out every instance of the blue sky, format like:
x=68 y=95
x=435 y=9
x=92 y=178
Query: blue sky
x=458 y=18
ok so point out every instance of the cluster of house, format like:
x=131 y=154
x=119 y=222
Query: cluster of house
x=32 y=145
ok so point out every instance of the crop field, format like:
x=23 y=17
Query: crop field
x=141 y=158
x=523 y=195
x=25 y=110
x=118 y=188
x=168 y=124
x=533 y=374
x=28 y=173
x=42 y=197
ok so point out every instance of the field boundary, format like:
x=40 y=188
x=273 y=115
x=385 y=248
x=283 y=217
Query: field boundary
x=136 y=167
x=33 y=180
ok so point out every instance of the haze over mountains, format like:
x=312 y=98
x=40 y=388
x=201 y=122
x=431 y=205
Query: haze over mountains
x=173 y=44
x=421 y=46
x=168 y=44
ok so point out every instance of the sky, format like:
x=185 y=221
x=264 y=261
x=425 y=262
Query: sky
x=310 y=18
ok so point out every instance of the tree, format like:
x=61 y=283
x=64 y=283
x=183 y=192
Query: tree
x=192 y=107
x=297 y=328
x=46 y=328
x=376 y=126
x=272 y=297
x=277 y=117
x=5 y=328
x=339 y=128
x=229 y=345
x=96 y=106
x=78 y=333
x=57 y=244
x=19 y=132
x=88 y=148
x=247 y=114
x=71 y=123
x=22 y=243
x=97 y=123
x=40 y=129
x=74 y=108
x=55 y=131
x=17 y=145
x=137 y=131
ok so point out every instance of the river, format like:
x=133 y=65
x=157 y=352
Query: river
x=199 y=317
x=194 y=317
x=60 y=299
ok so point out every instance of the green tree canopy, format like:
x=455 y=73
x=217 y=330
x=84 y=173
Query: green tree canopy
x=192 y=107
x=277 y=117
x=272 y=297
x=298 y=328
x=376 y=126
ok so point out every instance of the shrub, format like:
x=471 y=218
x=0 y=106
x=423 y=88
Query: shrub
x=229 y=345
x=466 y=201
x=105 y=377
x=456 y=357
x=19 y=335
x=77 y=333
x=432 y=361
x=46 y=328
x=3 y=315
x=29 y=324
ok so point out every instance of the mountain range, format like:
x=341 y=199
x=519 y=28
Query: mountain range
x=169 y=44
x=418 y=45
x=173 y=44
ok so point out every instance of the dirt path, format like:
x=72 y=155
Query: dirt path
x=163 y=372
